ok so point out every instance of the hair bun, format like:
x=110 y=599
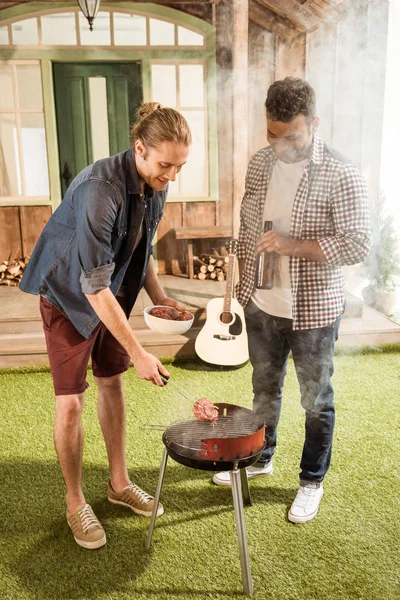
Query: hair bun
x=156 y=124
x=147 y=108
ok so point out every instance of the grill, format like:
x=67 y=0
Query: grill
x=237 y=435
x=232 y=443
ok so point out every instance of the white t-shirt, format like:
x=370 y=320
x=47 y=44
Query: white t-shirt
x=285 y=179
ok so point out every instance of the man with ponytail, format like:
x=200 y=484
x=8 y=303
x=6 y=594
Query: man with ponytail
x=88 y=266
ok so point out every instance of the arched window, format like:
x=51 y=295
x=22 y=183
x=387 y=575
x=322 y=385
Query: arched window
x=112 y=28
x=176 y=53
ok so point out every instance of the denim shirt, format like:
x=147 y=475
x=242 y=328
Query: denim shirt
x=89 y=243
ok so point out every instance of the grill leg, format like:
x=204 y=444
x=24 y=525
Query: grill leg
x=245 y=488
x=247 y=581
x=157 y=498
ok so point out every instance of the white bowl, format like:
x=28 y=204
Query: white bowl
x=165 y=325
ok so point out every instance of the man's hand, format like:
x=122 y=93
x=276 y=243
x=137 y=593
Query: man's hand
x=111 y=314
x=174 y=303
x=155 y=290
x=148 y=367
x=271 y=241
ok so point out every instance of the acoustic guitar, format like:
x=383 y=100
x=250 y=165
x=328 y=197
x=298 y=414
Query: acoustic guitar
x=223 y=339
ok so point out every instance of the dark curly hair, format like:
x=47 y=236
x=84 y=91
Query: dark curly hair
x=290 y=97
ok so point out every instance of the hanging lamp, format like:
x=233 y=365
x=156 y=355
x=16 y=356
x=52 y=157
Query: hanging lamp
x=90 y=9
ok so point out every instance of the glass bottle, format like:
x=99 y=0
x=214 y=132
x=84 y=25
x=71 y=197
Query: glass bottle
x=265 y=265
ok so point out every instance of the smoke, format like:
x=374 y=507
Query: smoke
x=347 y=65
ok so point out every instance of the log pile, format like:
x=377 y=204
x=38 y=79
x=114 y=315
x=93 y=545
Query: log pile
x=211 y=266
x=11 y=271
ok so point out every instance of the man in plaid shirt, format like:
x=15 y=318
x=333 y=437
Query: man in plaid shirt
x=317 y=201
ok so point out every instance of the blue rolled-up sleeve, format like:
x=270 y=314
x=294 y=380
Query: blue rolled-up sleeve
x=96 y=207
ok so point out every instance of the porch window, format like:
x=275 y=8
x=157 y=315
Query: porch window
x=162 y=33
x=174 y=53
x=181 y=86
x=25 y=32
x=129 y=30
x=23 y=153
x=186 y=37
x=58 y=29
x=101 y=34
x=3 y=36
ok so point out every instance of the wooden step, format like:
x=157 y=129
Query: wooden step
x=21 y=325
x=33 y=324
x=22 y=341
x=22 y=349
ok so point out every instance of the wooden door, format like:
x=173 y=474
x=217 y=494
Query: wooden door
x=95 y=108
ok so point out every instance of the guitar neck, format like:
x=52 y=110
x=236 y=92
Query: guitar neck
x=229 y=284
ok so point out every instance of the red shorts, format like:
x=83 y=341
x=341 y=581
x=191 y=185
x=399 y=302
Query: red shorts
x=69 y=352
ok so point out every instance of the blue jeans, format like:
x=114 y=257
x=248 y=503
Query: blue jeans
x=271 y=339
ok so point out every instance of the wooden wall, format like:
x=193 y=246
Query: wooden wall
x=262 y=60
x=171 y=253
x=224 y=59
x=20 y=228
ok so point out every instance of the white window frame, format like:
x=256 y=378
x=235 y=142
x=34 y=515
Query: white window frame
x=179 y=196
x=17 y=111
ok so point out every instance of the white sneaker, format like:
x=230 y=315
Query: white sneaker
x=306 y=503
x=224 y=477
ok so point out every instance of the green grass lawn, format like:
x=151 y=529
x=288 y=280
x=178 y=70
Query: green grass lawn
x=350 y=551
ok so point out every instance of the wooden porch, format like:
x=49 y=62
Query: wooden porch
x=22 y=340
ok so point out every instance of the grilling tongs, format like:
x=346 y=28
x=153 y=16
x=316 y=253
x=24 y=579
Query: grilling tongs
x=183 y=392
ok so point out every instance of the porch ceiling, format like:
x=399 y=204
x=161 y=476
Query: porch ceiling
x=302 y=14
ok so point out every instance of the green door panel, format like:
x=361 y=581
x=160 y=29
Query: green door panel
x=118 y=113
x=78 y=124
x=71 y=86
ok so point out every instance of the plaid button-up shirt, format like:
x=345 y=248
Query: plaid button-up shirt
x=330 y=206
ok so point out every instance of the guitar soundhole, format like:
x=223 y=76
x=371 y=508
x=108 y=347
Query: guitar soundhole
x=226 y=317
x=236 y=328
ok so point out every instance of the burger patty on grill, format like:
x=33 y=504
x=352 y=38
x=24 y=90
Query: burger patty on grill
x=204 y=410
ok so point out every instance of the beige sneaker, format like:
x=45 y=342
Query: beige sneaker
x=86 y=527
x=134 y=498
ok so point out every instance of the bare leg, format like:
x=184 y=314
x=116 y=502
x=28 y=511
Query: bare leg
x=68 y=439
x=112 y=419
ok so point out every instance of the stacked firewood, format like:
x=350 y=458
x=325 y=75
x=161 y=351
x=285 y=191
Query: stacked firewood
x=211 y=266
x=11 y=271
